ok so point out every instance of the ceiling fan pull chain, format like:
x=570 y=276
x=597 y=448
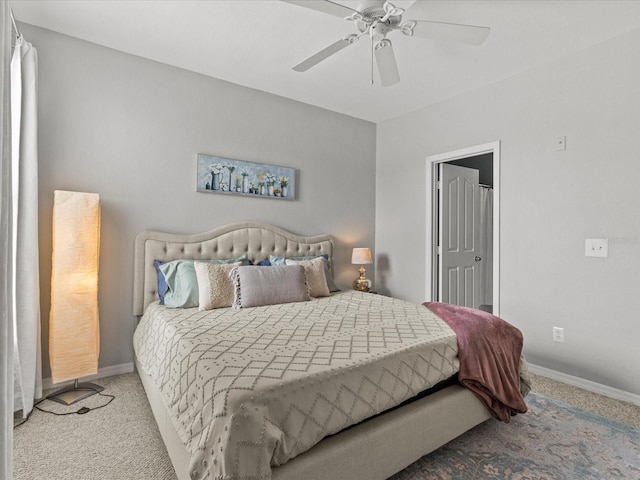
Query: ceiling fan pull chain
x=372 y=48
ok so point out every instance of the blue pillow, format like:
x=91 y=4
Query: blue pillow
x=181 y=282
x=162 y=283
x=264 y=263
x=327 y=271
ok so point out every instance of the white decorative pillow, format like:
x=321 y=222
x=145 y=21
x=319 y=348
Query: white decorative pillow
x=316 y=278
x=215 y=288
x=180 y=289
x=256 y=286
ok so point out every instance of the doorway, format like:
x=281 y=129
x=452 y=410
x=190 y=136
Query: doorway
x=466 y=271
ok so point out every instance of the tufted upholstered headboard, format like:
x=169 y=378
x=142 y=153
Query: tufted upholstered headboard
x=257 y=240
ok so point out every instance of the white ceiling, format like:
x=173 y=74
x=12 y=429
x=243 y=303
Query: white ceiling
x=255 y=44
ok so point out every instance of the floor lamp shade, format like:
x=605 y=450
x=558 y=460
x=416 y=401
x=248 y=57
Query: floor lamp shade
x=74 y=330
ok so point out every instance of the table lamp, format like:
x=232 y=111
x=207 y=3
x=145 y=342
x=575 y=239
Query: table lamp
x=361 y=256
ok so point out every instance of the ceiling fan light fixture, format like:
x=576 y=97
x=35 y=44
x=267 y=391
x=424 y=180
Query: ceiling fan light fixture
x=378 y=31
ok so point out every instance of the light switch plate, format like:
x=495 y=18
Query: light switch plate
x=596 y=247
x=561 y=143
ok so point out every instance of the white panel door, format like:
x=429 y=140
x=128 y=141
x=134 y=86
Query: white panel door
x=459 y=236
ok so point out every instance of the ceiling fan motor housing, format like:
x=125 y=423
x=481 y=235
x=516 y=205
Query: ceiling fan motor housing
x=371 y=8
x=372 y=11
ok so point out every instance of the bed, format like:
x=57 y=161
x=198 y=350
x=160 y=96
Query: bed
x=374 y=439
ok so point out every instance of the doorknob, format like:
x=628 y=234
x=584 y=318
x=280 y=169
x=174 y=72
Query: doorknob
x=477 y=258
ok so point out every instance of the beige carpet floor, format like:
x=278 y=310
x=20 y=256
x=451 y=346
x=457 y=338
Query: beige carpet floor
x=121 y=441
x=117 y=442
x=619 y=411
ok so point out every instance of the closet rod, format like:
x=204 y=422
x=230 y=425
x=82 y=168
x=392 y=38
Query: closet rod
x=485 y=186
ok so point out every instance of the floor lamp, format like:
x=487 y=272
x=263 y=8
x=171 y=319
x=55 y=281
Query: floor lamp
x=74 y=330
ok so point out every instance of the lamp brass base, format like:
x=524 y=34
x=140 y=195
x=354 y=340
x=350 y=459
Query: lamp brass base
x=74 y=393
x=361 y=286
x=362 y=283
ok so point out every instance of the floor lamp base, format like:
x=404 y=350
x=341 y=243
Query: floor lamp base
x=74 y=393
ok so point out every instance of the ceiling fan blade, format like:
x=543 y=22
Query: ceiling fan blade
x=324 y=6
x=470 y=34
x=322 y=55
x=386 y=60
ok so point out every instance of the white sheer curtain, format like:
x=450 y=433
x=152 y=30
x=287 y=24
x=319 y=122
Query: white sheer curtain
x=486 y=246
x=24 y=146
x=6 y=276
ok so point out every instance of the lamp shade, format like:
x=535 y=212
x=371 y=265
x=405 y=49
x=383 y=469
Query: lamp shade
x=74 y=333
x=361 y=256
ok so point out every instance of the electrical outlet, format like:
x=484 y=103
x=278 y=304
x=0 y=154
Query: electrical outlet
x=596 y=247
x=558 y=334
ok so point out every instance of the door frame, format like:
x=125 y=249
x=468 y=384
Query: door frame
x=431 y=270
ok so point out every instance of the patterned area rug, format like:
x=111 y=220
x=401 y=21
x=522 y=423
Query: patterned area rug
x=553 y=441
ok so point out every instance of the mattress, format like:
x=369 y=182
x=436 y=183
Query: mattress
x=250 y=389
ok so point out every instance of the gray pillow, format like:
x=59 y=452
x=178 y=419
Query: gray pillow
x=314 y=273
x=256 y=286
x=276 y=260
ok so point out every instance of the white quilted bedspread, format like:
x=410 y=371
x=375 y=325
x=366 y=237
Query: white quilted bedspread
x=252 y=388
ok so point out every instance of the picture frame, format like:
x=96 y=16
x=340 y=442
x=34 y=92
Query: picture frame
x=237 y=177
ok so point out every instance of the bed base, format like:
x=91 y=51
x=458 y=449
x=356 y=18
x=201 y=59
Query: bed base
x=372 y=450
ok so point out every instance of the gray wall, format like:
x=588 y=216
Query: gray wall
x=129 y=129
x=550 y=203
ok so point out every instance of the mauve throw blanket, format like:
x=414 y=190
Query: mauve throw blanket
x=489 y=351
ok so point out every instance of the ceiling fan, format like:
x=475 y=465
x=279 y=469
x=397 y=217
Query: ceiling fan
x=377 y=18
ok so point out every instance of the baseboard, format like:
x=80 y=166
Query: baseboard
x=586 y=384
x=102 y=372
